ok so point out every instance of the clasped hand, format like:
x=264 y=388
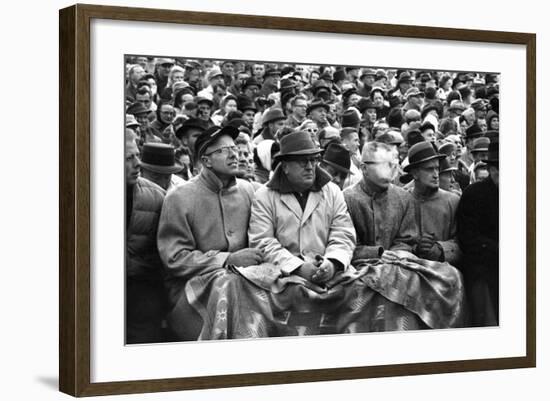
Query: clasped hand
x=319 y=272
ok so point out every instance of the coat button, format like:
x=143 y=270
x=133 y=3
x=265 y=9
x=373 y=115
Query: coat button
x=230 y=233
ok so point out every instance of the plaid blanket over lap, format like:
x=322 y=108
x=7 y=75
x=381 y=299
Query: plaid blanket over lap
x=397 y=292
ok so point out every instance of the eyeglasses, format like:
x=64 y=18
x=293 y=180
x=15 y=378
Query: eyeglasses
x=167 y=65
x=224 y=150
x=304 y=162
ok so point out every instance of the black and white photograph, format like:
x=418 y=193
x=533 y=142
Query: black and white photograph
x=276 y=199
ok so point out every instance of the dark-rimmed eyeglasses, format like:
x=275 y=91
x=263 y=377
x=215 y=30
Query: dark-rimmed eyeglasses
x=303 y=162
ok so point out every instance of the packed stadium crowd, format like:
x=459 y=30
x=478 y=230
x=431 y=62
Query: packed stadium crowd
x=274 y=199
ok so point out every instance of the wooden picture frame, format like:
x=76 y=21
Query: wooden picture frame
x=75 y=199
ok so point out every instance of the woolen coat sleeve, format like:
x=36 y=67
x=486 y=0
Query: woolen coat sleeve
x=261 y=233
x=177 y=244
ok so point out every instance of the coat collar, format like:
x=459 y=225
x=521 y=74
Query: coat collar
x=279 y=182
x=373 y=194
x=212 y=182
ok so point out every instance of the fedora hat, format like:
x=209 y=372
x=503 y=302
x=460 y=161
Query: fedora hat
x=297 y=144
x=316 y=104
x=136 y=108
x=457 y=105
x=365 y=103
x=337 y=156
x=351 y=118
x=391 y=137
x=473 y=131
x=420 y=153
x=190 y=123
x=404 y=77
x=368 y=72
x=211 y=135
x=131 y=121
x=251 y=82
x=273 y=114
x=445 y=166
x=414 y=91
x=318 y=85
x=213 y=73
x=426 y=109
x=159 y=158
x=200 y=99
x=481 y=144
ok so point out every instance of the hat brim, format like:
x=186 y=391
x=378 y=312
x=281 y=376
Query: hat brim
x=227 y=130
x=305 y=152
x=161 y=169
x=324 y=106
x=205 y=100
x=479 y=150
x=338 y=167
x=410 y=166
x=273 y=120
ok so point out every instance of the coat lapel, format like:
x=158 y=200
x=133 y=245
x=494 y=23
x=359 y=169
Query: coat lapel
x=290 y=201
x=313 y=200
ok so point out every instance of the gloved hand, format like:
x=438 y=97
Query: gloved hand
x=429 y=248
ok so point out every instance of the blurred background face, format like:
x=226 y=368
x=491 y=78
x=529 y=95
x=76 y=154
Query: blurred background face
x=164 y=69
x=370 y=115
x=494 y=124
x=193 y=76
x=300 y=107
x=230 y=105
x=351 y=142
x=136 y=74
x=228 y=69
x=248 y=117
x=258 y=70
x=337 y=177
x=481 y=174
x=318 y=114
x=378 y=99
x=167 y=113
x=429 y=135
x=446 y=180
x=244 y=156
x=177 y=76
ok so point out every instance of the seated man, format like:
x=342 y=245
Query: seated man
x=382 y=213
x=203 y=230
x=412 y=293
x=435 y=209
x=300 y=212
x=300 y=222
